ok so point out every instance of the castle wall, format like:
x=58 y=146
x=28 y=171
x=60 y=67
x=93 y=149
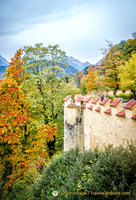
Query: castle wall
x=102 y=129
x=89 y=128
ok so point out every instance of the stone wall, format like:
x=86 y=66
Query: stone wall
x=91 y=122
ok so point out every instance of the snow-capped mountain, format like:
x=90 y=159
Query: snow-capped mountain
x=76 y=63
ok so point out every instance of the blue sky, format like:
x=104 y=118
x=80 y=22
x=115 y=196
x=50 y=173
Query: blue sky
x=80 y=27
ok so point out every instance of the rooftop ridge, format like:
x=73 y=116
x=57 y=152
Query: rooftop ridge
x=66 y=98
x=72 y=105
x=95 y=100
x=104 y=101
x=116 y=102
x=115 y=108
x=130 y=104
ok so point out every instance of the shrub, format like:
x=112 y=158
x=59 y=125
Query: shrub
x=126 y=96
x=21 y=190
x=78 y=176
x=112 y=97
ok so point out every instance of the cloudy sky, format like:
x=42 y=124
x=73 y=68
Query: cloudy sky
x=80 y=27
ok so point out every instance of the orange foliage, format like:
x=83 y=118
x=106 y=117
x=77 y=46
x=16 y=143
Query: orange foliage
x=90 y=80
x=22 y=142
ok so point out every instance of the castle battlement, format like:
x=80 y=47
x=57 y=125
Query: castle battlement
x=90 y=122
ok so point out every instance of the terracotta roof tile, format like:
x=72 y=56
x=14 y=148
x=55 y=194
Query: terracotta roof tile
x=72 y=105
x=121 y=113
x=104 y=101
x=134 y=117
x=76 y=96
x=95 y=100
x=98 y=109
x=80 y=98
x=66 y=98
x=130 y=104
x=108 y=111
x=84 y=106
x=88 y=99
x=115 y=102
x=90 y=107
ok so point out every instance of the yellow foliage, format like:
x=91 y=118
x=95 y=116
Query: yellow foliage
x=127 y=74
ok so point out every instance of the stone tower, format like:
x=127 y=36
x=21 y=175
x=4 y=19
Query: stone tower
x=73 y=123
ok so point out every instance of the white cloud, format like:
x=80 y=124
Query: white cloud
x=72 y=34
x=79 y=28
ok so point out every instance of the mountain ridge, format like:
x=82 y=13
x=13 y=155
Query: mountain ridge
x=76 y=63
x=3 y=61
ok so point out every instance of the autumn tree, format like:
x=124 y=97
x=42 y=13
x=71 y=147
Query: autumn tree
x=90 y=80
x=114 y=56
x=129 y=48
x=127 y=75
x=23 y=141
x=109 y=68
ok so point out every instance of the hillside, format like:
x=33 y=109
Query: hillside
x=70 y=70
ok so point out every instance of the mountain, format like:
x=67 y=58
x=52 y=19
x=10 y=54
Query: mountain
x=85 y=70
x=99 y=62
x=74 y=66
x=70 y=70
x=73 y=62
x=3 y=61
x=3 y=64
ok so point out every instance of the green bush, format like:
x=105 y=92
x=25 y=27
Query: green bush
x=126 y=96
x=78 y=176
x=112 y=97
x=21 y=190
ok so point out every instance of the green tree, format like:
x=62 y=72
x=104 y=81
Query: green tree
x=46 y=86
x=127 y=75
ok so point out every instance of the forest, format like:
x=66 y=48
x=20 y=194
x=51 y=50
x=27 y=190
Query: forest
x=32 y=161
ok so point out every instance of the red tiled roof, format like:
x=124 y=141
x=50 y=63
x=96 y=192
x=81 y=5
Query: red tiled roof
x=72 y=105
x=98 y=109
x=134 y=117
x=84 y=106
x=66 y=98
x=121 y=113
x=130 y=104
x=115 y=102
x=108 y=111
x=90 y=107
x=95 y=100
x=80 y=98
x=104 y=101
x=88 y=99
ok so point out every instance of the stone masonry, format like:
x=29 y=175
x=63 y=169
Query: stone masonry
x=89 y=122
